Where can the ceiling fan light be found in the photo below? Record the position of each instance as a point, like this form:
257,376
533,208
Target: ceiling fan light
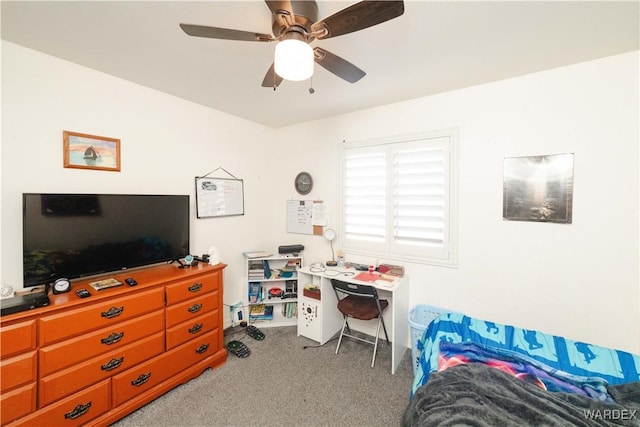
294,60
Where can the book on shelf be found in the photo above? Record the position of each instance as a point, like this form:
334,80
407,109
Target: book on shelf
255,293
290,309
261,312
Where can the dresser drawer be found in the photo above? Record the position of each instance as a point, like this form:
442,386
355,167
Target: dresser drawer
17,403
187,289
192,328
191,309
149,374
17,371
70,380
17,338
68,353
75,410
65,325
196,350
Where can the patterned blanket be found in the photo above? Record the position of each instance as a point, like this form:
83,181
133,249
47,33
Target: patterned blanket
558,353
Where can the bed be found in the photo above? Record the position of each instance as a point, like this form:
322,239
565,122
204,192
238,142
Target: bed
482,373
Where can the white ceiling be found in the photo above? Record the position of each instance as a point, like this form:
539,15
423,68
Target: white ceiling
435,46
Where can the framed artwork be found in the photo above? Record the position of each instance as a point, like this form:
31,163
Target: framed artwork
538,188
84,151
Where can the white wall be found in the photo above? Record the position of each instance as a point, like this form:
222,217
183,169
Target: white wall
165,143
581,280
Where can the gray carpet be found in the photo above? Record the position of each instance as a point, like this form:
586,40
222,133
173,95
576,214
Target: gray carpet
283,384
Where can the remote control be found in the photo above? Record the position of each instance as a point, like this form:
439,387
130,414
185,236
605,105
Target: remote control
83,293
131,282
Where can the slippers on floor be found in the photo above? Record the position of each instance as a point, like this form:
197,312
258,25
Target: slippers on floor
238,348
255,333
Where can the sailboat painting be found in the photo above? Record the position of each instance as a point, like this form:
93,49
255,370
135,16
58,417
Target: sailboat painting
85,151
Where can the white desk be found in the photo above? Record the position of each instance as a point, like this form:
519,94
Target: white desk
320,320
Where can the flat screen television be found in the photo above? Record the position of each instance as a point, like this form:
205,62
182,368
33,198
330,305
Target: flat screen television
78,235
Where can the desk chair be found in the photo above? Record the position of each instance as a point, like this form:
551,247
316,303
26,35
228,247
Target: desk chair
359,302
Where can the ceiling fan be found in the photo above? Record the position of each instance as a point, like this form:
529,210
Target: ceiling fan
295,23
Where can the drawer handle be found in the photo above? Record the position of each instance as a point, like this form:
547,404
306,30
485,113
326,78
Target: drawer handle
195,308
195,287
112,312
195,328
113,364
202,348
78,411
143,378
113,338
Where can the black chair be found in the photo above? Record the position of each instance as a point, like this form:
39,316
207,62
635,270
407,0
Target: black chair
360,302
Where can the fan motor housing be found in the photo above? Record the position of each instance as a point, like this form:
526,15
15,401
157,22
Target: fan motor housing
305,14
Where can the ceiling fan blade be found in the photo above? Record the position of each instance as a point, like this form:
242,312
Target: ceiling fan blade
283,11
280,6
224,33
271,79
357,17
338,66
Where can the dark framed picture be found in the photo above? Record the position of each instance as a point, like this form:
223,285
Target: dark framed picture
85,151
538,188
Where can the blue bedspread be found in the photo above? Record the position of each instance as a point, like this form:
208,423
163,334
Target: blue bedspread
573,357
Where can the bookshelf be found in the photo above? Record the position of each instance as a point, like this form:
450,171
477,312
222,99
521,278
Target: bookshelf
272,290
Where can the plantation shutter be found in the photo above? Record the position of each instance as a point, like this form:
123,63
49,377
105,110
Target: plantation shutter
365,179
396,198
420,204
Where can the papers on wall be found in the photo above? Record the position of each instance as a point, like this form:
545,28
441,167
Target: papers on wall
306,216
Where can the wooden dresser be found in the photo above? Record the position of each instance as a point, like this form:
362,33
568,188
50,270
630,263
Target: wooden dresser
91,361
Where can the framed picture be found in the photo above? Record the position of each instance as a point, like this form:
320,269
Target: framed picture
538,188
84,151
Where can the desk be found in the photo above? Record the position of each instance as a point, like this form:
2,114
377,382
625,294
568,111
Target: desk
320,320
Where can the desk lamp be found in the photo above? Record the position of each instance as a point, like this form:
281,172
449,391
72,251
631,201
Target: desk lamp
330,235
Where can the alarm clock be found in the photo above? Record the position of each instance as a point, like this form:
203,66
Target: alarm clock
61,286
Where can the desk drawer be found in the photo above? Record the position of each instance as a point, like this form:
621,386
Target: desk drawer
101,314
63,383
68,353
17,403
191,309
192,328
17,338
187,289
17,371
75,410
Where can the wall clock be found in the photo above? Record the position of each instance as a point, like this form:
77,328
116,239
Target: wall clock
303,183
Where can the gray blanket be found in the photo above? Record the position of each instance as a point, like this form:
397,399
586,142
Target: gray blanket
478,395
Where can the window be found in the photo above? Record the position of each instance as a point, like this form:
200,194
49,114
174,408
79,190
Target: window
398,198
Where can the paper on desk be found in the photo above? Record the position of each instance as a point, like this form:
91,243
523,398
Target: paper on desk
377,278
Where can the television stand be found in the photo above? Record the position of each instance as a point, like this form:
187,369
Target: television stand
92,361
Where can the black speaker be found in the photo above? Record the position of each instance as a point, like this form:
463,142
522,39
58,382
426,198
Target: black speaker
290,249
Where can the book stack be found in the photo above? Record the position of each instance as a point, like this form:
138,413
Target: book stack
256,270
261,312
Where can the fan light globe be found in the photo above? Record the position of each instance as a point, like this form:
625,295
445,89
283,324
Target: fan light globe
294,60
